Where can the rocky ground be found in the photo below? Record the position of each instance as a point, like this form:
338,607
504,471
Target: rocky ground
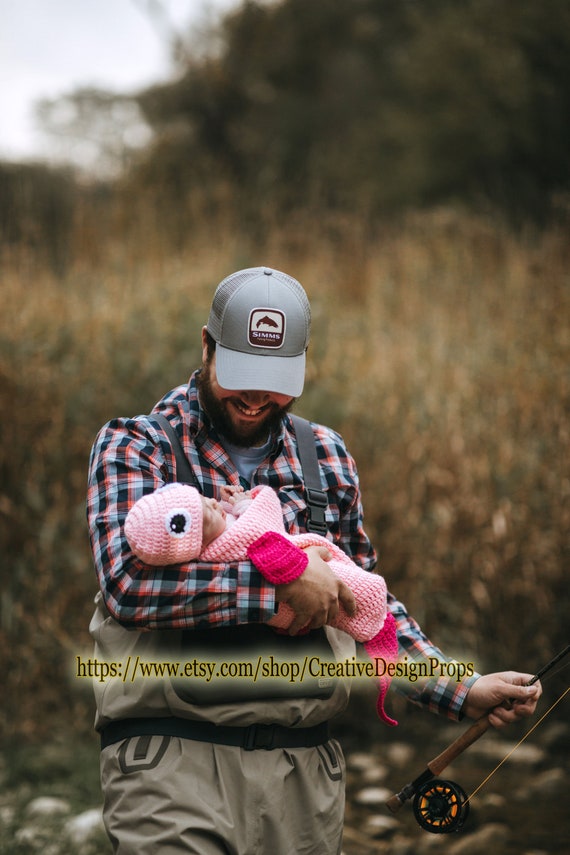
50,801
522,810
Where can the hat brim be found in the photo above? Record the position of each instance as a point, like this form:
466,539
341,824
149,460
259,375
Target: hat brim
284,375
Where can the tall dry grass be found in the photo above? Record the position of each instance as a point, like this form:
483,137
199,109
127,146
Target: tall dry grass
440,351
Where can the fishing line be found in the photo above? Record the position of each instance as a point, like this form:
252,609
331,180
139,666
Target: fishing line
504,760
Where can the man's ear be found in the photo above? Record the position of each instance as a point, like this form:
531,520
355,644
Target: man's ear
204,344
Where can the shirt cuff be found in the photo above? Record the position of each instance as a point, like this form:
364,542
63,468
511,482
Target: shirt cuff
444,696
255,597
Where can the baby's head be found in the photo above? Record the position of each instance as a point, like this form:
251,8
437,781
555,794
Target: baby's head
213,520
173,525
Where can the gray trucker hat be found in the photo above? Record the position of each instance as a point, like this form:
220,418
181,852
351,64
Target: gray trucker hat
260,319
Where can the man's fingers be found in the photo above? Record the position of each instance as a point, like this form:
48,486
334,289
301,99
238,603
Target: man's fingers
522,702
347,599
307,620
497,718
299,623
523,693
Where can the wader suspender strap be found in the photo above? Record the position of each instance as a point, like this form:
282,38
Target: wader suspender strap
184,473
306,446
316,497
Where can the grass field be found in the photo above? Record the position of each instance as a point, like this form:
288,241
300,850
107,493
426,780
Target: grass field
440,350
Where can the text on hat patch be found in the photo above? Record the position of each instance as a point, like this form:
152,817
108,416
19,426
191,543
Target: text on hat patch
266,328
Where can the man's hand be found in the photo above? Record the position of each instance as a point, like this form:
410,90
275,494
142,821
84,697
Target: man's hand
316,595
491,691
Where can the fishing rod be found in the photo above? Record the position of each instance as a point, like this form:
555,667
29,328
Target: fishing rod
442,806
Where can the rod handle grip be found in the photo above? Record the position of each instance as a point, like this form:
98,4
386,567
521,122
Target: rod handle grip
471,735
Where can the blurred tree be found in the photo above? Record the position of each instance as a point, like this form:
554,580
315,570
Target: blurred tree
95,130
363,105
375,105
484,106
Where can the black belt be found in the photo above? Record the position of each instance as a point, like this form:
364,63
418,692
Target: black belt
266,736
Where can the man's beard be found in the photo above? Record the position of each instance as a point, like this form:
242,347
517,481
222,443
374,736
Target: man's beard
256,434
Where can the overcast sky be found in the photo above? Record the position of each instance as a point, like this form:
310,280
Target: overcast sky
48,47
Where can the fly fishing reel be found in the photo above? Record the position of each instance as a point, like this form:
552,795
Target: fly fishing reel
441,806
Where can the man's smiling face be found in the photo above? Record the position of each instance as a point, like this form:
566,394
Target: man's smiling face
244,417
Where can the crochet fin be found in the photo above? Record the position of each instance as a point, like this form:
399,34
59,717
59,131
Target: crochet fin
384,645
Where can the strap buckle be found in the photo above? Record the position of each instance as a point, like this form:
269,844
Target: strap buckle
259,736
317,504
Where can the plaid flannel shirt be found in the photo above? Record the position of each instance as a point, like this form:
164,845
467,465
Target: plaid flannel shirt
132,457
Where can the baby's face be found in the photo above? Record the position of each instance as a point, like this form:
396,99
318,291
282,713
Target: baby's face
214,520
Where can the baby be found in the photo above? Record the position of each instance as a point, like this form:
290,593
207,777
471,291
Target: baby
176,525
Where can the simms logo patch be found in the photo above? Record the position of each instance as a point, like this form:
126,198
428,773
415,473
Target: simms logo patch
266,328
